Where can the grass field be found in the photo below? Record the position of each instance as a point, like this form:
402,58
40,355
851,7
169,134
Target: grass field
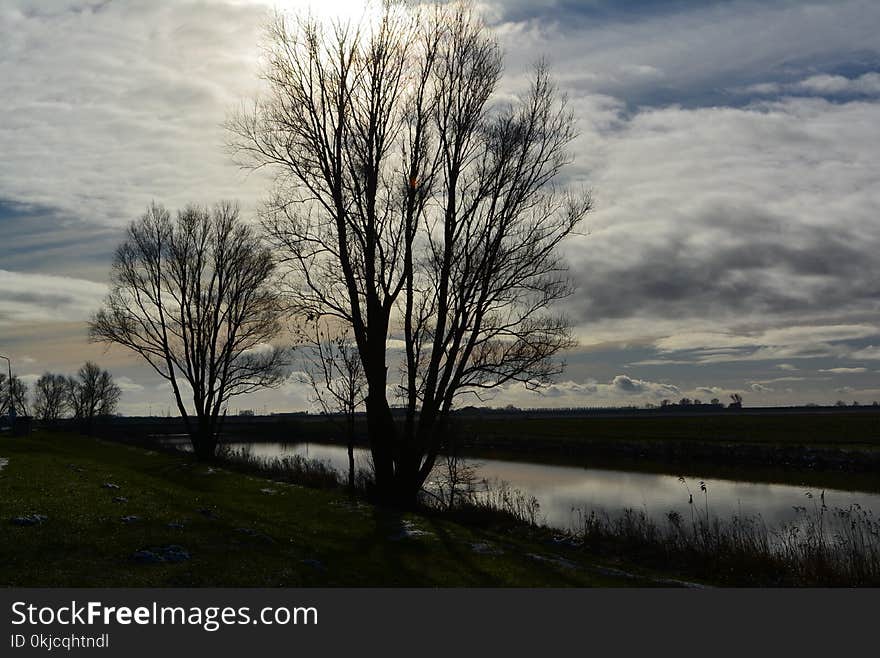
237,529
860,430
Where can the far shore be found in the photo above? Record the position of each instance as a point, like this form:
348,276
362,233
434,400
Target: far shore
829,447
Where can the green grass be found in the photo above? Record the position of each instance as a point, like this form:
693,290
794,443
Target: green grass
298,536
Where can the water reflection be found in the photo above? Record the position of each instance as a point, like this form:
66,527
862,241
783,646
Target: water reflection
559,489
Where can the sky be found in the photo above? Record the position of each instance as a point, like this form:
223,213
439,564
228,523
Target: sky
732,149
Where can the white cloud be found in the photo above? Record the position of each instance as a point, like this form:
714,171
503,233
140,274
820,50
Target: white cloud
867,84
128,385
625,385
620,390
801,342
845,371
778,380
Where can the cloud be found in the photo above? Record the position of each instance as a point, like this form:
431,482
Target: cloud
29,298
777,380
128,385
49,241
867,84
871,352
693,50
101,114
732,149
712,211
661,362
628,386
697,220
785,336
794,342
762,89
619,390
845,371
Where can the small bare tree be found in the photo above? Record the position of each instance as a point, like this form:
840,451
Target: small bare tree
333,369
411,204
92,394
196,298
51,397
13,394
455,477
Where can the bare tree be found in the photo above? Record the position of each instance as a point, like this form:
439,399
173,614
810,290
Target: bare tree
454,477
195,297
4,394
51,397
335,373
13,394
92,394
412,205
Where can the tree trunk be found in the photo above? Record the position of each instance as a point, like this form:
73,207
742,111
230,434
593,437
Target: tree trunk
397,461
350,467
204,441
350,439
406,488
381,430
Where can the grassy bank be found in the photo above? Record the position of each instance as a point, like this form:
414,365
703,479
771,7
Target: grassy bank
820,546
234,529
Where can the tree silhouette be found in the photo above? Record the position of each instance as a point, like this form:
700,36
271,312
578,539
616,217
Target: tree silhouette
411,204
51,397
92,393
14,393
333,369
196,299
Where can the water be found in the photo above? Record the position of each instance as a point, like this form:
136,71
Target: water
560,489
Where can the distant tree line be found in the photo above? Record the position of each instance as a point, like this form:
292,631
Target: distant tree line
89,394
736,402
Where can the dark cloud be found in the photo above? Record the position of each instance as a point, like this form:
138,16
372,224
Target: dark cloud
739,270
42,239
578,14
